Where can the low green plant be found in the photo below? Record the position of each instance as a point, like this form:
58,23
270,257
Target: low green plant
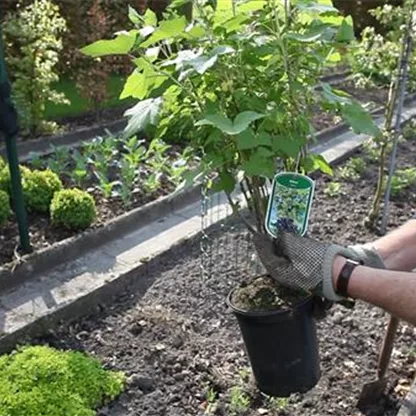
5,179
409,130
59,159
2,163
79,173
128,173
39,187
375,58
212,401
239,401
73,209
277,403
39,380
5,210
352,170
33,41
402,180
36,161
333,190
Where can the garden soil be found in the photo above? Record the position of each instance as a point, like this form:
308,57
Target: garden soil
173,336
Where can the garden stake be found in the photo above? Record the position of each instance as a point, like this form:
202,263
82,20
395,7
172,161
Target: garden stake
9,127
372,391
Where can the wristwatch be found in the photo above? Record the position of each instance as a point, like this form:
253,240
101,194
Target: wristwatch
344,277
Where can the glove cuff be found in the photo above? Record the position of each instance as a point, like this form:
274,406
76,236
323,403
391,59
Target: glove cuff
368,255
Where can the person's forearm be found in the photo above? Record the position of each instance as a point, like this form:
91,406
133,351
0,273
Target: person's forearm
392,291
398,248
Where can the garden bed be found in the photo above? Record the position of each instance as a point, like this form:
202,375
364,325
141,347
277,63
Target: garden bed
44,234
175,339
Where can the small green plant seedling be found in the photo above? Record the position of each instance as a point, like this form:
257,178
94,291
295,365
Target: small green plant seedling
277,403
244,373
333,190
212,404
239,401
409,130
352,170
402,180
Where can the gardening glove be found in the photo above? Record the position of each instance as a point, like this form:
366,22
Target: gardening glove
300,262
368,255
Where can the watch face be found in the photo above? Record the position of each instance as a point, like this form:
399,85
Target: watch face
289,204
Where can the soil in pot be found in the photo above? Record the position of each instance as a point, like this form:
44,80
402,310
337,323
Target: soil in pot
279,334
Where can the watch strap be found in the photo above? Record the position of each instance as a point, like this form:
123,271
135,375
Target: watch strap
344,277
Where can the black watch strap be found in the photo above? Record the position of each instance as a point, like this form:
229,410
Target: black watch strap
344,277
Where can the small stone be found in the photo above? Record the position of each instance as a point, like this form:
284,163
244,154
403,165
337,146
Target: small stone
145,384
177,342
135,329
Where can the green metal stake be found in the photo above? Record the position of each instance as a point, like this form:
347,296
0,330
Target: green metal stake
9,127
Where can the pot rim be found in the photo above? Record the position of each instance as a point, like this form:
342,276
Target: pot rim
243,312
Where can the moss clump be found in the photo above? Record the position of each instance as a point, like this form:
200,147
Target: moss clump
5,210
39,187
73,209
39,380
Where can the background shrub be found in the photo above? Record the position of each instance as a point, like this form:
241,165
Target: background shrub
73,209
32,38
5,210
39,188
39,380
5,179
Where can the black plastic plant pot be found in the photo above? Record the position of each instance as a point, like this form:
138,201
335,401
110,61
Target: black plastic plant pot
282,347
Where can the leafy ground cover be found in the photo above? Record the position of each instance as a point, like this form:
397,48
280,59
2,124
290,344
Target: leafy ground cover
41,380
182,350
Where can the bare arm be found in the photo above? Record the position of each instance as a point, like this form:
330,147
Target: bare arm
392,291
398,248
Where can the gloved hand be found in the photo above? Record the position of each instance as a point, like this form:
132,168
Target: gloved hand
368,256
301,263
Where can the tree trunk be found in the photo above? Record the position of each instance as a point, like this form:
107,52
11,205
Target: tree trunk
359,10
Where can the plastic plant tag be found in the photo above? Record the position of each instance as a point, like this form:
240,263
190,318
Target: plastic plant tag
289,204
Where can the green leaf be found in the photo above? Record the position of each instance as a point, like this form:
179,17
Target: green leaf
143,114
288,145
260,163
203,63
345,32
219,121
241,122
320,163
150,18
311,36
244,119
317,8
246,140
167,29
222,50
359,119
225,183
135,86
233,24
134,17
120,45
333,96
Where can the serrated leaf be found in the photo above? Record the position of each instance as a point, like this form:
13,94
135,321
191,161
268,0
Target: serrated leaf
135,86
244,119
219,121
120,45
345,32
150,18
259,164
143,114
167,29
246,140
359,119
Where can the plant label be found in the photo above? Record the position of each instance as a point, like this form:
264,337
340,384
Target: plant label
289,204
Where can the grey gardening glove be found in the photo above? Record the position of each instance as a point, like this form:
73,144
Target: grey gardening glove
368,256
300,262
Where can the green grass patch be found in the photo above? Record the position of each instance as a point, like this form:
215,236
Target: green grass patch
78,104
38,380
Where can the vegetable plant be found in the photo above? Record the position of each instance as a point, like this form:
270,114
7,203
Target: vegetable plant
333,190
242,88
